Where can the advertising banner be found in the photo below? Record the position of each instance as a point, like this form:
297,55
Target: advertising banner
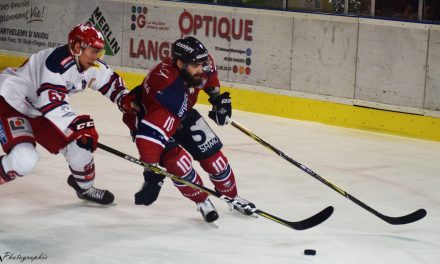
30,26
107,16
17,20
244,47
261,56
149,31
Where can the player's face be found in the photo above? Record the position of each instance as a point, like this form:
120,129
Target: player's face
195,70
89,56
194,73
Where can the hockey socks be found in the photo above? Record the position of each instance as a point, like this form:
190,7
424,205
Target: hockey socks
220,174
189,192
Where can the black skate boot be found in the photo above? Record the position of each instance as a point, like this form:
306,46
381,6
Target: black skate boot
247,209
208,211
92,194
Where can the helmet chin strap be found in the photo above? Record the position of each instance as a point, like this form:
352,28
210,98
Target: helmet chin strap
76,56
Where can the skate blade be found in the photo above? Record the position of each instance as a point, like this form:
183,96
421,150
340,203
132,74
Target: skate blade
95,204
214,224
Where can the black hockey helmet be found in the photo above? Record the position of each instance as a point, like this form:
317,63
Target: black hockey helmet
189,50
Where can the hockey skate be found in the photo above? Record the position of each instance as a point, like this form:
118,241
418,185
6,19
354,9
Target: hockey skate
208,211
247,209
92,194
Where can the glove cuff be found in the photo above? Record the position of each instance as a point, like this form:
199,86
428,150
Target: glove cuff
150,176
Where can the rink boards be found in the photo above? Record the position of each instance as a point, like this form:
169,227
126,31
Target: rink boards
331,69
250,99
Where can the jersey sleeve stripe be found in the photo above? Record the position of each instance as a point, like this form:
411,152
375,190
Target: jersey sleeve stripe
104,89
51,106
49,86
115,93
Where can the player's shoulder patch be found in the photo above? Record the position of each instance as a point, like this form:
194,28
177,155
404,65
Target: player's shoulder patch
60,60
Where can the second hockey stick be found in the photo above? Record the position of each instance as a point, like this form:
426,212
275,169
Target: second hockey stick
400,220
299,225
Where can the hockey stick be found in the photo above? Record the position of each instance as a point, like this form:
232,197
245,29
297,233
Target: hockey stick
300,225
406,219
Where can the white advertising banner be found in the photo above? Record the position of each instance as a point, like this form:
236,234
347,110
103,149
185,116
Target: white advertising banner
218,32
16,20
31,26
107,16
356,58
149,31
260,55
247,48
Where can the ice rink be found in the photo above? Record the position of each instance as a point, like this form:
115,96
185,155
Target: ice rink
40,213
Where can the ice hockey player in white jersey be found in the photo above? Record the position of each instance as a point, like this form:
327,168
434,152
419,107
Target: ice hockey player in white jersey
34,108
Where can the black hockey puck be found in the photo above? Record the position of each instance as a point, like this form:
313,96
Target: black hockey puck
309,252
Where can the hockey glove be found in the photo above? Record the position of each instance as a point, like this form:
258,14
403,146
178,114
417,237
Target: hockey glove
150,189
221,108
127,103
130,102
84,132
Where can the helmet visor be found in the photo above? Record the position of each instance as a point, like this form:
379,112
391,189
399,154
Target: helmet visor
206,66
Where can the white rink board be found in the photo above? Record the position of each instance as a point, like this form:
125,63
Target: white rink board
432,97
323,55
373,61
392,57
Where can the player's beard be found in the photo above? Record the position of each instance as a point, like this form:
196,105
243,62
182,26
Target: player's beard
191,80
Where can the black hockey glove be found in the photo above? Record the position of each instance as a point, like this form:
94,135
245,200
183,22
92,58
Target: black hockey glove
150,189
221,108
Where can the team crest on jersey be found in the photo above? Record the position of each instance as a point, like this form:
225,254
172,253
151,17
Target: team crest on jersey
20,127
3,138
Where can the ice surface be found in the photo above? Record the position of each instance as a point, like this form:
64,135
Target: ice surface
40,213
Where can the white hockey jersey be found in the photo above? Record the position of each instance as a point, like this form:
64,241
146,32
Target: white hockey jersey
42,86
